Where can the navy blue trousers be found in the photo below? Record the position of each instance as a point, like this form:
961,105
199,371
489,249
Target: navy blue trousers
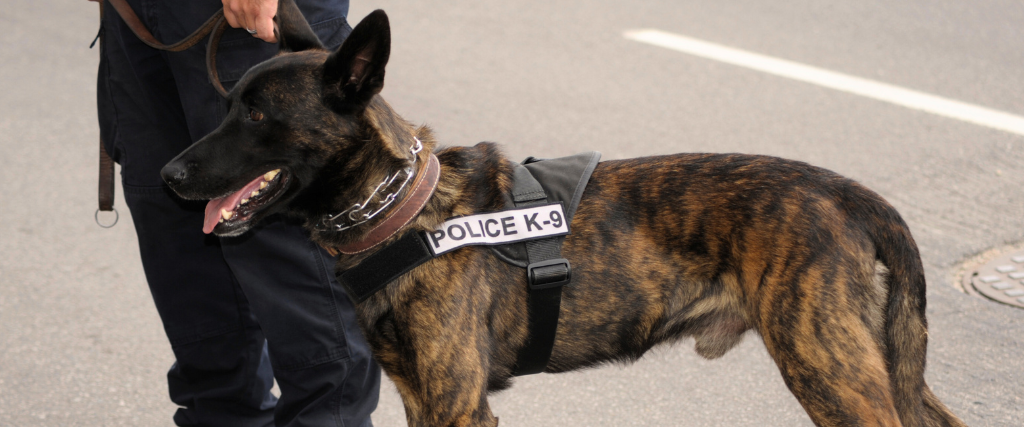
238,311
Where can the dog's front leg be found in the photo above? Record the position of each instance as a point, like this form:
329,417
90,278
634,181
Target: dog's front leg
438,353
438,413
440,394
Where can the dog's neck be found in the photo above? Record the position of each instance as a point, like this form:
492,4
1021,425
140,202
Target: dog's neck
381,161
383,149
402,205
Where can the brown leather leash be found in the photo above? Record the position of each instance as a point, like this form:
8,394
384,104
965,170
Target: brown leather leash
214,27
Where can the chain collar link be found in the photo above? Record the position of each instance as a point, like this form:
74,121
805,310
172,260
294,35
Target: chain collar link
377,202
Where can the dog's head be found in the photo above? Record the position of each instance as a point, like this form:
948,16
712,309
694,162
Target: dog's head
289,118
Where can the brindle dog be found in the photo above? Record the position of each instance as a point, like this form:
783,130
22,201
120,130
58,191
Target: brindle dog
690,245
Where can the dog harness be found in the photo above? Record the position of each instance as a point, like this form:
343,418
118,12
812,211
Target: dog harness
545,195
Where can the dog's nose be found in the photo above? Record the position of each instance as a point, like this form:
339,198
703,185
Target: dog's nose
174,173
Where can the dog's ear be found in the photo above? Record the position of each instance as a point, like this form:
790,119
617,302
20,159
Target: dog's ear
293,32
355,72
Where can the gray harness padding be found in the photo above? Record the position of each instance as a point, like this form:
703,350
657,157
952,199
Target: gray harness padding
562,180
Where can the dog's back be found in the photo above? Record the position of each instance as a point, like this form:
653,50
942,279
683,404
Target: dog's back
711,245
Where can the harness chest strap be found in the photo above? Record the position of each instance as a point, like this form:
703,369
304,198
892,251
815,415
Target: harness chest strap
545,275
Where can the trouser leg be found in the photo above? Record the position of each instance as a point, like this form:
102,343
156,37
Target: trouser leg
326,372
221,376
322,362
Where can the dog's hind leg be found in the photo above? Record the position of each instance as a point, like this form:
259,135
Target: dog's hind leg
828,351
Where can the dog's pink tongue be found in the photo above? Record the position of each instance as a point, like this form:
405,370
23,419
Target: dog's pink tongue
213,212
229,202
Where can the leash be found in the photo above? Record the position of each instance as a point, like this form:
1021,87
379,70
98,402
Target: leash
214,27
106,181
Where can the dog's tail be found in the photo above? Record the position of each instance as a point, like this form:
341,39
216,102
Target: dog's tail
906,332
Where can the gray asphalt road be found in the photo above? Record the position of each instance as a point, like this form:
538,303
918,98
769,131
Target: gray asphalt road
80,341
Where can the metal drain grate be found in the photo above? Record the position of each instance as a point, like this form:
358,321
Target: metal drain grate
1001,279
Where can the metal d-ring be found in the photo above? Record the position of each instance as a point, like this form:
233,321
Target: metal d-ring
117,216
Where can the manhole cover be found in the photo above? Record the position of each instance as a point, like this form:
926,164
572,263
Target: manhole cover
1001,279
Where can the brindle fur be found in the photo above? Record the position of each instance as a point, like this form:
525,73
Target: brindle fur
662,248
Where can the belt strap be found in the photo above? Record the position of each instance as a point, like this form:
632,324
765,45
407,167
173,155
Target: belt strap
106,196
106,181
106,178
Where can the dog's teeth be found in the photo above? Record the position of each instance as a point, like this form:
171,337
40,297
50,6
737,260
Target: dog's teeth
254,193
226,214
244,201
221,220
270,175
263,185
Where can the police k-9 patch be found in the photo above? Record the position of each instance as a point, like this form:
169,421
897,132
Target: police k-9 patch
497,228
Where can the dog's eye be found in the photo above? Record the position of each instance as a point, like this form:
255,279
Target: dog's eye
255,115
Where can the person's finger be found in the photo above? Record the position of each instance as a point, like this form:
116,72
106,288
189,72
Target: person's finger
250,10
249,22
230,15
264,26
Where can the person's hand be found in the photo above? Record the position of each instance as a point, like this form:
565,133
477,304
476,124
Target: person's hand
253,15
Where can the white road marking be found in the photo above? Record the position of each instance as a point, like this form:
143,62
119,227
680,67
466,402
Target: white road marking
856,85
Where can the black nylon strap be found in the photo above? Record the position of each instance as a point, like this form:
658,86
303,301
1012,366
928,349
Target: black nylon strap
377,270
546,275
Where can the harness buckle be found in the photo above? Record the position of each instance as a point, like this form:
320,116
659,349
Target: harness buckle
549,273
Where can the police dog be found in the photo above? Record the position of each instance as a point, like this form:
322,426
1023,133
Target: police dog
691,245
